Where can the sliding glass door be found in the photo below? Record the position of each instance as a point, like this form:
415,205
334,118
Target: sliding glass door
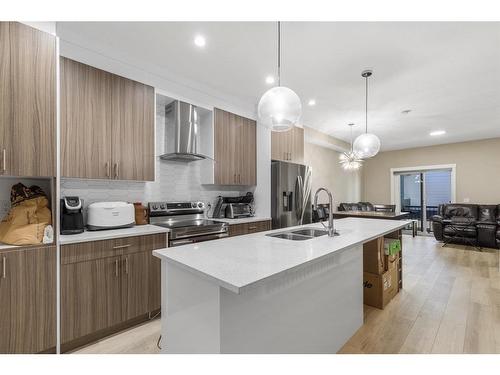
421,192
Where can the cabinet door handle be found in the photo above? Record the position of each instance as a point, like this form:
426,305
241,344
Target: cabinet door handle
239,178
126,265
4,269
106,166
121,246
4,162
115,167
116,268
234,178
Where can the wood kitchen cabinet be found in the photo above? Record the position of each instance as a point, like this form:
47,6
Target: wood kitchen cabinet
235,154
248,228
106,286
27,101
28,300
132,124
107,125
85,121
288,146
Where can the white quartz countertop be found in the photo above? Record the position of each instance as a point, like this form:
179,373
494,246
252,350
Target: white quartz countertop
243,220
138,230
237,263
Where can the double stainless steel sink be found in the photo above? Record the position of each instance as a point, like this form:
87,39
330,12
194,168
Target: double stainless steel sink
299,234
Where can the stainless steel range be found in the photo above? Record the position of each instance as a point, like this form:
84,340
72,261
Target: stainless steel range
186,221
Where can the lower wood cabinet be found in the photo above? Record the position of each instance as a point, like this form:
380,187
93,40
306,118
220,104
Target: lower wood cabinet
248,228
106,285
28,300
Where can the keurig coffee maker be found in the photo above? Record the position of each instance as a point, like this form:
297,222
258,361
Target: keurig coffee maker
71,215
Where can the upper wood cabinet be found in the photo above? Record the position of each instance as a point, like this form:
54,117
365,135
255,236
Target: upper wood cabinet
235,149
107,125
132,129
288,146
28,300
85,121
27,101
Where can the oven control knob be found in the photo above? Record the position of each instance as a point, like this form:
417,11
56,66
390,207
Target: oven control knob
162,206
155,207
193,205
200,204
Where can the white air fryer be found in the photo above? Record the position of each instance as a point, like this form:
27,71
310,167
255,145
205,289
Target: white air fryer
110,215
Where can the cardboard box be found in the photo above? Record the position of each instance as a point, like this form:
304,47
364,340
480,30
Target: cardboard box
379,290
374,256
391,261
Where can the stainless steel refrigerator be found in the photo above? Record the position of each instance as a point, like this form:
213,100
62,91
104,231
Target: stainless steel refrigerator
290,194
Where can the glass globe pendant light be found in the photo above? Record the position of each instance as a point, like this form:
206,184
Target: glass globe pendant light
280,107
349,160
366,145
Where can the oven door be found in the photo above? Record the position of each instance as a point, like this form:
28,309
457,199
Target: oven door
195,239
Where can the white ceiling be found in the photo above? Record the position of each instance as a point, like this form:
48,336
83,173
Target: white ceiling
448,74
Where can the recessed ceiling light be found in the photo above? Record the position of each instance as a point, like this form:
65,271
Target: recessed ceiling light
437,132
311,102
406,111
269,80
200,41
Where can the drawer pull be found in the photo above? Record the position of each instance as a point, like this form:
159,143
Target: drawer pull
116,268
126,265
252,227
4,271
121,246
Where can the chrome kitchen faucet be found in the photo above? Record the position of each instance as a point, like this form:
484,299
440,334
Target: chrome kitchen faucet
330,228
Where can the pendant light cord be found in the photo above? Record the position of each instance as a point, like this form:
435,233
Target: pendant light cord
351,138
279,53
366,106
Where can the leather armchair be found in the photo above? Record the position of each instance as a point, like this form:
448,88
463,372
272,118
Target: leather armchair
478,223
498,226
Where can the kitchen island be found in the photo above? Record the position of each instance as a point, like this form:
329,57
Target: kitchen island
263,294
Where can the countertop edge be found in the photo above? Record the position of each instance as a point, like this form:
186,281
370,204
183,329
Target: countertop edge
139,230
239,289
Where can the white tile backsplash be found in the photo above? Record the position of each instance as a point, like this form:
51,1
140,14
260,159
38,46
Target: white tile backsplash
175,181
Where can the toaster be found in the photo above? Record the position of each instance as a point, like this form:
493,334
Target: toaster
237,210
110,215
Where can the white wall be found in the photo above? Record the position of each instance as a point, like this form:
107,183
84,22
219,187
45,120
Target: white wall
176,180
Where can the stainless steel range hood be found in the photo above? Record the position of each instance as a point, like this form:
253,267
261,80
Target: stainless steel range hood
183,132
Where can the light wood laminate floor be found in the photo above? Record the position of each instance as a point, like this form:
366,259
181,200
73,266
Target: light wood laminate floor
450,304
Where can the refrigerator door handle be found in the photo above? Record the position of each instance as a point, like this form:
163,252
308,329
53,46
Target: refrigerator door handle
299,196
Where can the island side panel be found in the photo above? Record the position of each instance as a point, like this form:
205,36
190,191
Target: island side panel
314,309
190,312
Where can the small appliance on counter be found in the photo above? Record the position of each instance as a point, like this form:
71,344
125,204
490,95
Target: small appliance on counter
141,214
71,215
110,215
234,207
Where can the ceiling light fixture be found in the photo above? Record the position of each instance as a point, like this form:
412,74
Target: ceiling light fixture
269,80
280,107
311,102
200,41
366,145
437,132
350,160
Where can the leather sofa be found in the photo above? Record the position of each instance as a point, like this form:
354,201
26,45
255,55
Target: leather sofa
478,224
